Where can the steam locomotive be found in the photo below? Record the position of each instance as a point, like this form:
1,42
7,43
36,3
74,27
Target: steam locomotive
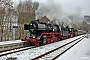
41,33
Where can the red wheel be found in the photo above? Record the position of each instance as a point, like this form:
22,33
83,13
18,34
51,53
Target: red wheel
44,40
37,44
48,41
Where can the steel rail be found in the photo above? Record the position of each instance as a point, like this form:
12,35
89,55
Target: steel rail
11,49
66,50
17,51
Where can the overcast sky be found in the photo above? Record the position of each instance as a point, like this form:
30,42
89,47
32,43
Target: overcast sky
71,5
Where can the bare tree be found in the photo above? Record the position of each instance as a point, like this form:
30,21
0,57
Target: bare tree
6,7
84,26
26,13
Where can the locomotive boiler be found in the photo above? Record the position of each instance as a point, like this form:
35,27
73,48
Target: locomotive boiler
36,26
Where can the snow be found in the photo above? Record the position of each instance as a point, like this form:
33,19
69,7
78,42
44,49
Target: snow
81,51
10,42
31,53
53,54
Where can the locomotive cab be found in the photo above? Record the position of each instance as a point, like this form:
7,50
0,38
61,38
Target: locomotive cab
65,32
73,32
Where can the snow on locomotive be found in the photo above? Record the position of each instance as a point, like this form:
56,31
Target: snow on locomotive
42,33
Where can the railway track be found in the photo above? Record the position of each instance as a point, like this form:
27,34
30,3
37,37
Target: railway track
55,53
10,49
6,52
33,50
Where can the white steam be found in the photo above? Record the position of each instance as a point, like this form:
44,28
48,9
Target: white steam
51,9
77,16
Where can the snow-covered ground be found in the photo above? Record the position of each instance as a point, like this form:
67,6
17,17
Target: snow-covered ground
81,51
10,42
31,53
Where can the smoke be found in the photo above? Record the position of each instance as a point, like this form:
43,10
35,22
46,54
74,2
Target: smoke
76,16
51,9
54,11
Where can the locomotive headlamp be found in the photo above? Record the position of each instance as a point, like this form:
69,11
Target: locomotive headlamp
34,36
53,30
30,24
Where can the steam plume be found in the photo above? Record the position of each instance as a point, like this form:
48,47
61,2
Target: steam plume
52,9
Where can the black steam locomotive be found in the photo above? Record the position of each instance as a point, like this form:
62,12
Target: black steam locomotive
42,33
